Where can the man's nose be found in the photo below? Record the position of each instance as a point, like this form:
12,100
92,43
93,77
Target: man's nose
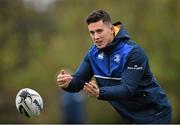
96,36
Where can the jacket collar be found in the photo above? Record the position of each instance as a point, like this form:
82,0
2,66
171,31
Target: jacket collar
121,35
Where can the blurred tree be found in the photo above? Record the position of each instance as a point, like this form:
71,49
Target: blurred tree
24,36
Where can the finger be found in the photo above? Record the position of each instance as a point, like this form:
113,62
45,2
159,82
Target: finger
86,88
88,93
62,76
62,85
93,84
94,88
89,89
64,79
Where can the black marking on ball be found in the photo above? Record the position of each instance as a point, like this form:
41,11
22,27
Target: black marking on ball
25,94
23,111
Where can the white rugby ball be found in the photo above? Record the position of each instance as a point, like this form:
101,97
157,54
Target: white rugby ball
29,103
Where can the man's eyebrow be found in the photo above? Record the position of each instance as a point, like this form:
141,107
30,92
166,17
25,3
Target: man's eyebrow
98,30
95,30
91,31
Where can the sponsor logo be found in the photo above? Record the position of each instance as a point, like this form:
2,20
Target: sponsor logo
135,67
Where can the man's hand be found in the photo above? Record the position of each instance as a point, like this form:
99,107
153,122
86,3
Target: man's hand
63,79
91,88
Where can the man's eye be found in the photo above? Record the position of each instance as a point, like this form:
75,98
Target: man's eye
92,33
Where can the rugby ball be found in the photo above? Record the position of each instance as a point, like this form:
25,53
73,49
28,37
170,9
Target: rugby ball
29,103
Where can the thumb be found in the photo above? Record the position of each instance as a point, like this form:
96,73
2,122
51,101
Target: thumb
94,84
62,72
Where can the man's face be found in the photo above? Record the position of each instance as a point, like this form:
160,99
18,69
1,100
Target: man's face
101,33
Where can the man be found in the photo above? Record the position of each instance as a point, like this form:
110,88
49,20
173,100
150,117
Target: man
122,74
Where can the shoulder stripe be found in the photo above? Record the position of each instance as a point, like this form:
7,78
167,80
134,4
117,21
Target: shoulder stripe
104,77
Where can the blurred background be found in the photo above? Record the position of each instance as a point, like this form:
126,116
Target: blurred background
40,37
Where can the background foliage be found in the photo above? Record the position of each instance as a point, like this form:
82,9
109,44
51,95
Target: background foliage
38,39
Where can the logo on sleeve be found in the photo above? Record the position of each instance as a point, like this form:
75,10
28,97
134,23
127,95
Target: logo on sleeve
135,67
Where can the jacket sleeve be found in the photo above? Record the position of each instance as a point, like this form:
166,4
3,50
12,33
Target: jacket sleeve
131,76
83,74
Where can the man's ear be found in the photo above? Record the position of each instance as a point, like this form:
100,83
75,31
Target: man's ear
112,29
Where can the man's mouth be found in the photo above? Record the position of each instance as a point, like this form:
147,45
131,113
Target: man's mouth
98,42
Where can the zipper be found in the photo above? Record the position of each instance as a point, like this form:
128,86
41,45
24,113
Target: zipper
108,55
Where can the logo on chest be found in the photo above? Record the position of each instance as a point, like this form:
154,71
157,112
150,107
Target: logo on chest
116,58
101,56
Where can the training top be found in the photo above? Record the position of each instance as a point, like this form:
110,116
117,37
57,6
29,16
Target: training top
124,78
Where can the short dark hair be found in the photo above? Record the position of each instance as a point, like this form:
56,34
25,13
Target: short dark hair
98,15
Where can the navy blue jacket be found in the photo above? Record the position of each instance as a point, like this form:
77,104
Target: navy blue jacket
124,78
